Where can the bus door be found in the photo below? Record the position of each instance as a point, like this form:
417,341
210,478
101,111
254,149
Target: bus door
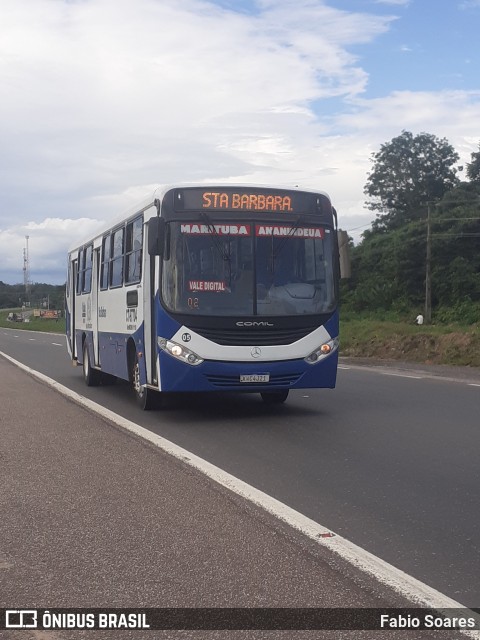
95,287
71,295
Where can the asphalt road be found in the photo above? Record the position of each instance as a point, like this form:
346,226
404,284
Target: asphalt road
389,459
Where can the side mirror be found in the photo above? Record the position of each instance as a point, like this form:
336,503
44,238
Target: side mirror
156,236
344,254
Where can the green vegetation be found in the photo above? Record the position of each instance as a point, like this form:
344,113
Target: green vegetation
408,173
413,187
40,295
402,340
34,324
418,194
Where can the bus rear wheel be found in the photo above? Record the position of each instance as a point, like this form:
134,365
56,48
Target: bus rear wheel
274,397
146,398
90,375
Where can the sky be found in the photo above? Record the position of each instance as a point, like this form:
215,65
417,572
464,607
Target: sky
103,100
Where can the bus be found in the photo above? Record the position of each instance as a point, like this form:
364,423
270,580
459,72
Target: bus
209,289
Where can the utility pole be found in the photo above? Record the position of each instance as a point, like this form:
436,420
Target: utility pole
428,269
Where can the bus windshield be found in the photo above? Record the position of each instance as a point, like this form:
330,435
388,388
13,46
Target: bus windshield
248,268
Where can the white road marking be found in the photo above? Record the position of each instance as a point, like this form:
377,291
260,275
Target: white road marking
403,584
45,333
401,375
425,375
57,344
32,339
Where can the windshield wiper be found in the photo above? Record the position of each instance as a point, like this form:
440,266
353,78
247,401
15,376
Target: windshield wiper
218,244
281,245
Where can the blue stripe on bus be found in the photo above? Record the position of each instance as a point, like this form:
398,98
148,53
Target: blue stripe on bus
113,351
332,325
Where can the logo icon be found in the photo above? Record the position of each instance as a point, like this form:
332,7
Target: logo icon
20,619
256,352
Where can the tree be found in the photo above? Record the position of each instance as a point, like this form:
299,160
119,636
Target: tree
388,268
473,168
408,172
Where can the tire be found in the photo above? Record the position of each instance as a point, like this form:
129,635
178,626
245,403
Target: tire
146,398
274,397
91,376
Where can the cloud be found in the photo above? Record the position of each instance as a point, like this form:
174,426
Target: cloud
47,243
102,97
446,113
394,2
469,4
105,93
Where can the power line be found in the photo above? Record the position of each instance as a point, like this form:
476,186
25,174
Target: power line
452,219
361,227
457,235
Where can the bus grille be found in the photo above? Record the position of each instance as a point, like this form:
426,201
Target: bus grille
254,337
283,380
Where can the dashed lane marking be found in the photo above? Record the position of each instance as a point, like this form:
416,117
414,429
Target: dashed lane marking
400,375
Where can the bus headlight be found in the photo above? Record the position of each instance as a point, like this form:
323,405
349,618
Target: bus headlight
323,351
179,351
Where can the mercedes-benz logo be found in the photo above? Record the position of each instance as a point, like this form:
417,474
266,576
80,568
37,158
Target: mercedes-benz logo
256,352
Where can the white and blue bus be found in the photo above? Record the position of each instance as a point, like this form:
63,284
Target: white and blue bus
209,288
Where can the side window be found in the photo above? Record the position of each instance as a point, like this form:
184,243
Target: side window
69,275
133,251
106,242
84,273
116,264
87,274
79,271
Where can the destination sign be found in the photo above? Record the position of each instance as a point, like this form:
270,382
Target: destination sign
289,232
216,229
261,230
247,199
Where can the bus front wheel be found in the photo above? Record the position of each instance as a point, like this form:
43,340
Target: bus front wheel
145,397
90,375
274,397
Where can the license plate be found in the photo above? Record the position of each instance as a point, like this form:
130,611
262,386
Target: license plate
255,377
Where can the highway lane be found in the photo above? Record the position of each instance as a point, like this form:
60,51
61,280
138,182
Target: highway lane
388,461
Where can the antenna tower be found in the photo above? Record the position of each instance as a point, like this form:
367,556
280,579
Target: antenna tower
26,268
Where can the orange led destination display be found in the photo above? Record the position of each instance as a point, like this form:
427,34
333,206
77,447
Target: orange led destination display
249,201
245,199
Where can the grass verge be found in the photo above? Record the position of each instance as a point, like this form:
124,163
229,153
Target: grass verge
427,344
34,324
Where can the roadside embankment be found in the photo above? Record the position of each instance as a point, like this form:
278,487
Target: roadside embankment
426,344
